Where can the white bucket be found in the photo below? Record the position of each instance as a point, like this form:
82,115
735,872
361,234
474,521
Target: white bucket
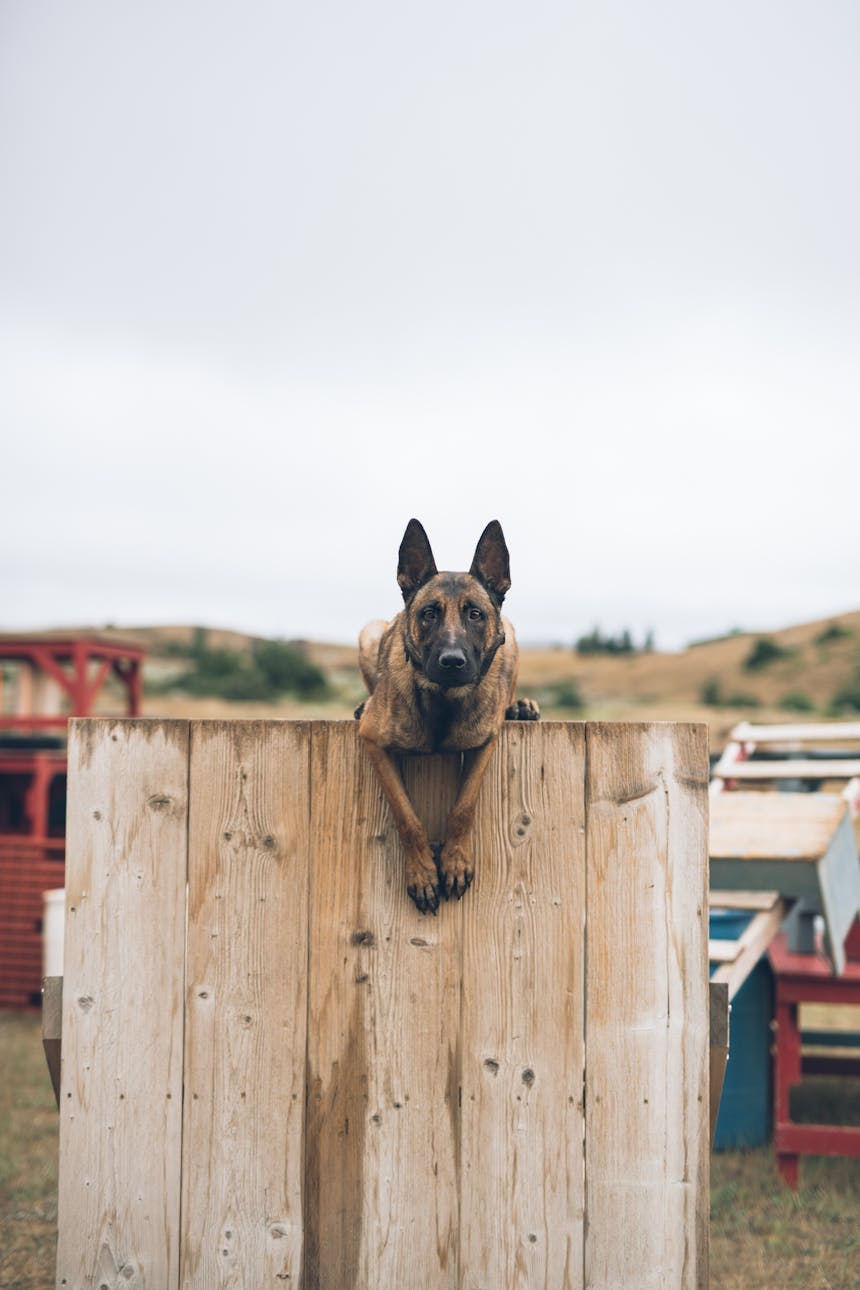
53,928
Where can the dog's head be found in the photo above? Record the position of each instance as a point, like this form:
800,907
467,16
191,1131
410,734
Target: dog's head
453,620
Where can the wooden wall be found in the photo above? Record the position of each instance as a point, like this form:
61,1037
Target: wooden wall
277,1073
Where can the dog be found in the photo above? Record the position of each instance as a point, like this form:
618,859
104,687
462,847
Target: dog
442,677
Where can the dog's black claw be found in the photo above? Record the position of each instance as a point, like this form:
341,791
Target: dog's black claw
523,710
423,903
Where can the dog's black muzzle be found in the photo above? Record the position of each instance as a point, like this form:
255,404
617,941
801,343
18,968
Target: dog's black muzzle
451,666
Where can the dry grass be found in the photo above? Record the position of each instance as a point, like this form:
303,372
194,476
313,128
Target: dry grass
28,1157
763,1237
644,687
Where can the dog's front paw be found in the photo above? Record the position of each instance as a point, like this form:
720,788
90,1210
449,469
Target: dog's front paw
455,870
422,879
523,710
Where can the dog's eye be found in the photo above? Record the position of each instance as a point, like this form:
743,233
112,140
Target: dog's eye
428,615
475,613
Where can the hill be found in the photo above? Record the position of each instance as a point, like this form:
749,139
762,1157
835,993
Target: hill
798,670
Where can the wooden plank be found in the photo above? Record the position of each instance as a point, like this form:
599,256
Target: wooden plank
820,769
384,1001
121,1089
839,884
52,1028
751,945
522,1165
723,951
801,844
718,996
647,1020
721,899
802,732
246,1004
774,826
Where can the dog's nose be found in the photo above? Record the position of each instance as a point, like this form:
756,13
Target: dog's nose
452,660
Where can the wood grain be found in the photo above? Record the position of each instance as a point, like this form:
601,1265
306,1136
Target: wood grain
646,1137
770,826
381,1189
513,1094
121,1087
522,1051
246,1005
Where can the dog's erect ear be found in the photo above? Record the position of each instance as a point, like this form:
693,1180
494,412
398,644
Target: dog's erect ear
416,564
492,565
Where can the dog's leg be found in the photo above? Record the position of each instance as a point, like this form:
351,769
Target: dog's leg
422,879
456,865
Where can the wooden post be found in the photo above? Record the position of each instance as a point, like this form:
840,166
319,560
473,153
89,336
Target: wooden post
511,1094
52,1014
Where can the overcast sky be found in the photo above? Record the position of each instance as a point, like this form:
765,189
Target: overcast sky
275,277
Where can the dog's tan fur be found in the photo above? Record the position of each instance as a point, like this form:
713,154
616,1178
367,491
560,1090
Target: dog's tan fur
410,710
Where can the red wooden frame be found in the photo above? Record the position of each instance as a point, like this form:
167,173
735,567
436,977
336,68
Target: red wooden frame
806,978
68,661
31,861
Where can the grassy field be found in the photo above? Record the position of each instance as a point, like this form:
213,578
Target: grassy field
763,1237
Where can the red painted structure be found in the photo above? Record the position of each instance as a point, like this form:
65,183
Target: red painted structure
808,978
33,779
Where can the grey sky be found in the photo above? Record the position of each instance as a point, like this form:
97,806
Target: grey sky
274,278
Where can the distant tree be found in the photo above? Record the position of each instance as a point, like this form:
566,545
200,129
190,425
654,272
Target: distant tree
834,631
764,651
596,643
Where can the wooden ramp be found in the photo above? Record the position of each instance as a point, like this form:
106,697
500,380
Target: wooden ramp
800,845
275,1072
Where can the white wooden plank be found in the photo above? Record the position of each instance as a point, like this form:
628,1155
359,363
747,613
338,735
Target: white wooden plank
819,768
522,1163
802,732
751,900
839,884
243,1154
647,1019
720,951
381,1168
121,1088
774,826
750,947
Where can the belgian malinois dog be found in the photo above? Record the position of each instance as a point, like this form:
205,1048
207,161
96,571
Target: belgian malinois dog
442,677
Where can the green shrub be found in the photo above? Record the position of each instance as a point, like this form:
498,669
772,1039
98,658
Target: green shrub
765,650
834,631
274,668
714,696
286,667
566,694
847,698
174,648
741,700
796,701
711,693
